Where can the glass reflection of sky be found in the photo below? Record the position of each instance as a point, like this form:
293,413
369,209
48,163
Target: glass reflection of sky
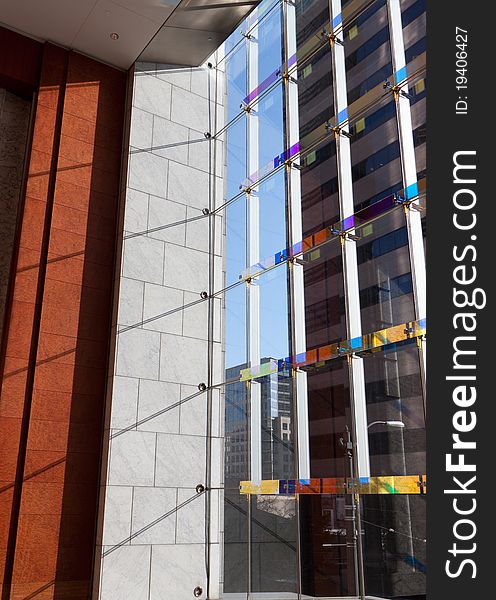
270,193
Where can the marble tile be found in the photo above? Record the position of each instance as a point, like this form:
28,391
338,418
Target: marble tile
117,521
216,507
149,505
186,269
125,574
217,418
189,109
187,185
124,406
138,353
183,360
198,156
143,259
147,172
195,321
132,459
136,211
146,67
216,567
154,397
141,129
130,301
185,571
190,518
180,77
193,413
159,300
216,460
170,140
197,232
180,461
164,212
200,80
152,94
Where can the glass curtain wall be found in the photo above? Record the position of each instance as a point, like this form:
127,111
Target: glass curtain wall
313,126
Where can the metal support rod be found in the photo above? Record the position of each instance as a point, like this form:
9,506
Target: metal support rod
253,257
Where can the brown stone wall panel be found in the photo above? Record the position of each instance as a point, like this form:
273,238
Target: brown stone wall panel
61,475
63,349
87,176
10,429
20,61
21,319
74,196
61,291
35,565
13,386
75,271
79,408
66,243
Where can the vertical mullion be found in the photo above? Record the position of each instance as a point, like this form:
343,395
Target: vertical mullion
295,233
253,257
294,229
360,462
408,166
349,252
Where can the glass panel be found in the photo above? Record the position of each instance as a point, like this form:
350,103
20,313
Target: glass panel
319,187
324,295
236,469
367,50
273,545
327,546
274,313
327,541
395,549
394,525
234,141
235,544
386,289
234,218
311,18
235,335
394,393
278,434
268,37
278,423
268,116
271,194
315,91
414,28
375,154
236,79
417,92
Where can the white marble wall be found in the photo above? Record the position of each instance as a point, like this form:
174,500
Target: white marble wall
156,446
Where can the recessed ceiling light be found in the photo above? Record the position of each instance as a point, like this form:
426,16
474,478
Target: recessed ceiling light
114,36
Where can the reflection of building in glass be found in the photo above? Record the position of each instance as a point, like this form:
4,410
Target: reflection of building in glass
277,444
270,212
340,133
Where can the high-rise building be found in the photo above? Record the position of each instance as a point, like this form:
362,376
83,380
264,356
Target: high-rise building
212,300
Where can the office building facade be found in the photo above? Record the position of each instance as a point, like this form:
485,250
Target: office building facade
213,304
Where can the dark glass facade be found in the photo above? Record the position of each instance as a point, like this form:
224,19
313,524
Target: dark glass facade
315,135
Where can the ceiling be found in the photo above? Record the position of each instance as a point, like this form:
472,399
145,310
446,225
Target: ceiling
187,36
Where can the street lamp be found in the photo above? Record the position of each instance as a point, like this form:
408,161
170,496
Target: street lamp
398,424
